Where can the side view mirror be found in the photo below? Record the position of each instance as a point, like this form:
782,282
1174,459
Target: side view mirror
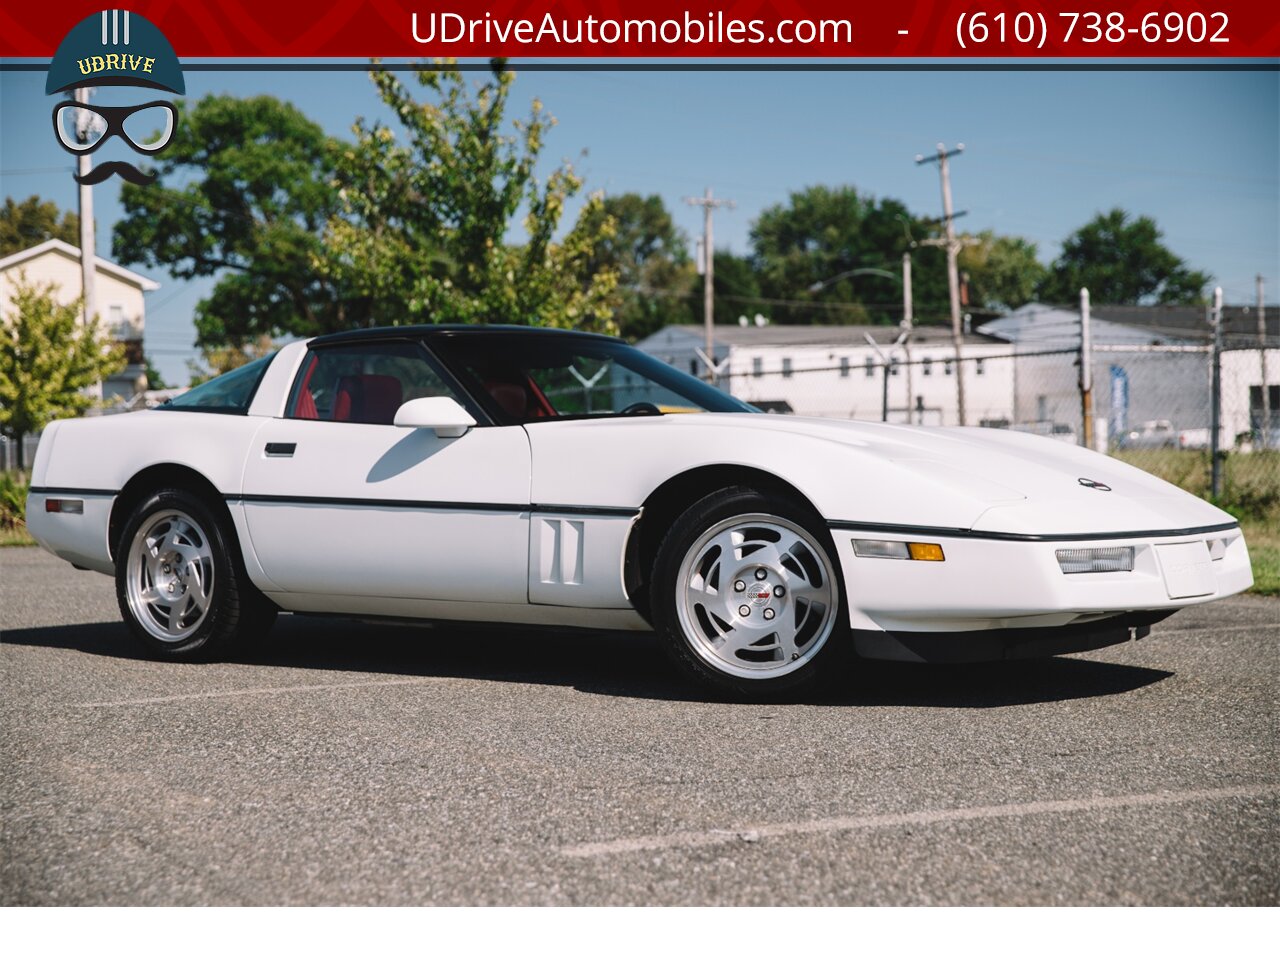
444,415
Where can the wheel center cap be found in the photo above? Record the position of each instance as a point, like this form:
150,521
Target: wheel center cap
760,592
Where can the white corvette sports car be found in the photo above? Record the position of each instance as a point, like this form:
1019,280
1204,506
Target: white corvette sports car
515,475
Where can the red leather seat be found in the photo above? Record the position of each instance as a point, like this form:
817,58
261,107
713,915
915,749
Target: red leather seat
367,398
511,397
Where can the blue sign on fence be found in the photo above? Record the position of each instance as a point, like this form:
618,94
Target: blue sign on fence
1118,421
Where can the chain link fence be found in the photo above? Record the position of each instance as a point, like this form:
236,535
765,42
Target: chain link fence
1153,405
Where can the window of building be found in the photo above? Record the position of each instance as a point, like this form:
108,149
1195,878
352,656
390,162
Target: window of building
757,366
869,365
115,317
946,368
844,366
927,367
978,366
893,367
693,367
786,367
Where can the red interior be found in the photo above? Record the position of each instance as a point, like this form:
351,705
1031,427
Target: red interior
367,398
519,397
304,407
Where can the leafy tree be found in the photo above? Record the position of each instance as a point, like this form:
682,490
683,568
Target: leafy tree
47,360
1003,271
1121,260
422,233
823,232
154,380
650,256
244,193
33,221
216,361
736,290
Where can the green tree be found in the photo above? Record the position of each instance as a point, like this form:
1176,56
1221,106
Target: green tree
215,361
1003,271
1121,260
650,256
33,221
154,380
47,360
823,232
422,233
736,291
244,194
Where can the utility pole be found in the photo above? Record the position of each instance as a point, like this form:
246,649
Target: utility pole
708,205
1265,439
87,122
1086,371
908,322
1216,418
953,247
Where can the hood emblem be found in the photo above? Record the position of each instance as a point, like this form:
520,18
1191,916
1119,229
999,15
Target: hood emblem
1093,484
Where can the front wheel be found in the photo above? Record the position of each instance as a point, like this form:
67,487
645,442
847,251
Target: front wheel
746,594
181,589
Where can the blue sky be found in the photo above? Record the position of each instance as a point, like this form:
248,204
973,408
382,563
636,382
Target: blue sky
1198,151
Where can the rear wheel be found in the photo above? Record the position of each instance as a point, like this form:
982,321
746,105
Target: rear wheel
181,586
746,594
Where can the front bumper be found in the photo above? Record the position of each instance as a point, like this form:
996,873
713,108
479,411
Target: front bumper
1019,643
991,584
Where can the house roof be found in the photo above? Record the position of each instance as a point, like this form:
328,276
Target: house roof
807,334
1054,327
73,253
1192,321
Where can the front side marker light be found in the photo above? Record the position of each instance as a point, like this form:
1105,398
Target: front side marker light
926,551
897,550
1096,559
58,505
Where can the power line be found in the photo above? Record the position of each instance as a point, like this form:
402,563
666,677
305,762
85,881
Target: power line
708,203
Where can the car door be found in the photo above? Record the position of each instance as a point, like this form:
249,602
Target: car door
340,501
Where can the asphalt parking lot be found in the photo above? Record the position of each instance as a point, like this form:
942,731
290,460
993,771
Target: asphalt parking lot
344,763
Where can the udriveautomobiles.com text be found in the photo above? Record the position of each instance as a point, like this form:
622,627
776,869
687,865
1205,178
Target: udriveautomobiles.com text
709,28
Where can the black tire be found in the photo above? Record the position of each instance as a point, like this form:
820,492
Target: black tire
235,611
667,594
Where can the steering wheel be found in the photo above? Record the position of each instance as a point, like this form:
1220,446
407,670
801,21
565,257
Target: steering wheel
641,408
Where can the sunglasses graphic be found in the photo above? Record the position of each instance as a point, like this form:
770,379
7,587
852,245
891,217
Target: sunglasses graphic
80,133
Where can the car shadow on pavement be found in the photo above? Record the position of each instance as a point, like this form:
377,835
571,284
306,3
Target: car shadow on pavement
619,665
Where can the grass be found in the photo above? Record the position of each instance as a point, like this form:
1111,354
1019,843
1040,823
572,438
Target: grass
16,537
13,507
1251,493
1263,537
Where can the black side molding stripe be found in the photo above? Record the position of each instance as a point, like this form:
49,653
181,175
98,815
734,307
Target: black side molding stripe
576,511
967,534
73,491
432,505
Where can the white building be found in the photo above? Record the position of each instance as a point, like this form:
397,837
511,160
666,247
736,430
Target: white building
121,309
832,371
1141,373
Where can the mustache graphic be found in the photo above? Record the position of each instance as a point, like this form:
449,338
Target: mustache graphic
109,169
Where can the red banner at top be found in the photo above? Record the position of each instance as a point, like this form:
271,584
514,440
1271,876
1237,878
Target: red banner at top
679,29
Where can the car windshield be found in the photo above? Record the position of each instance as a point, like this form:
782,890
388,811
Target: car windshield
524,377
230,393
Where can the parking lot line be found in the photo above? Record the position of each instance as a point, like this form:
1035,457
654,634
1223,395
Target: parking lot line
749,834
252,691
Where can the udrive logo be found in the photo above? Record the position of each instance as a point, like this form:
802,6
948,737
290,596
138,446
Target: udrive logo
121,49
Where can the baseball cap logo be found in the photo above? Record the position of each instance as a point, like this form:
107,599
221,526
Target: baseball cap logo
114,48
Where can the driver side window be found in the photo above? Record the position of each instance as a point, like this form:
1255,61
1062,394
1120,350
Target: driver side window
364,382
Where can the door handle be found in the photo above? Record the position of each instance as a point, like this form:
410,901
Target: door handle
281,449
